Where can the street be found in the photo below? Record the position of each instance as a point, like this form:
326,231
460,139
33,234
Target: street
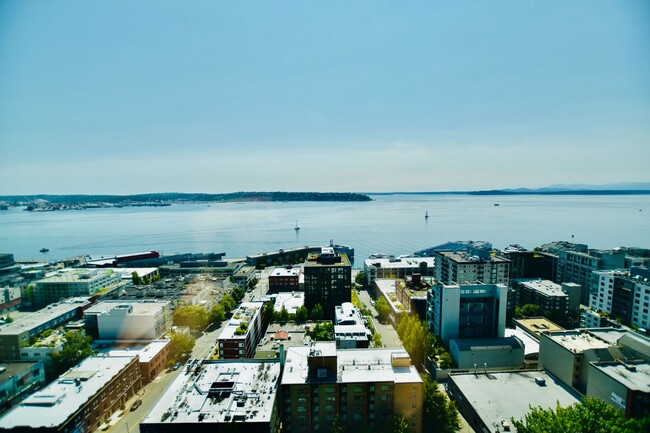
388,334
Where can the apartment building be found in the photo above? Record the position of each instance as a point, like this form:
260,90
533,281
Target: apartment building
68,283
284,279
328,280
398,268
244,331
623,295
321,384
128,320
459,267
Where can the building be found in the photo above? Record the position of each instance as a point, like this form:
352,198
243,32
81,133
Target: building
153,356
535,326
69,283
284,279
8,267
398,268
19,334
328,280
80,400
359,387
219,268
128,320
219,396
471,265
488,400
290,301
530,264
10,299
568,354
350,331
488,353
546,294
623,295
243,332
18,379
279,336
626,386
243,276
467,311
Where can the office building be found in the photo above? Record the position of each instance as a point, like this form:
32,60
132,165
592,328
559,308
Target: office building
128,320
488,353
243,332
467,311
358,387
328,280
18,379
530,264
219,396
79,400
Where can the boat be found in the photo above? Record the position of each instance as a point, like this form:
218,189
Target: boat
496,204
297,227
426,215
44,250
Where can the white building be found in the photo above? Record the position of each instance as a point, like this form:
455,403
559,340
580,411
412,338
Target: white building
350,332
128,320
398,268
68,283
467,311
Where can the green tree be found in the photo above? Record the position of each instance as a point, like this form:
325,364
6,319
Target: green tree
528,310
181,346
439,413
252,283
76,347
301,314
194,316
268,311
416,338
395,424
361,279
284,315
383,309
216,314
238,294
336,426
135,278
589,416
323,331
228,303
317,312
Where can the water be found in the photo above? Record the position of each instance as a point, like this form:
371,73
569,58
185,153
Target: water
392,224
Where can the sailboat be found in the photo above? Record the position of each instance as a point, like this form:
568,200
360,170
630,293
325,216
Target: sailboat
426,215
297,227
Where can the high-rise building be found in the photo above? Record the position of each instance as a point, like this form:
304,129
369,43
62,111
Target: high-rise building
467,311
468,266
328,280
623,295
357,387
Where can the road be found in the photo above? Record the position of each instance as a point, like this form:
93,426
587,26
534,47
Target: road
388,334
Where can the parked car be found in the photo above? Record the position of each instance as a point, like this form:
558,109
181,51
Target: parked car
136,405
176,366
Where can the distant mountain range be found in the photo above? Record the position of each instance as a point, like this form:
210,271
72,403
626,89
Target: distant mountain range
620,186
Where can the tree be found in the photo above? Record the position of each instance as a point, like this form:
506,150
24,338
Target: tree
323,331
194,316
301,314
268,311
317,312
528,310
395,424
383,310
228,303
361,279
76,347
216,314
589,416
416,338
238,294
181,346
252,283
439,413
284,315
135,278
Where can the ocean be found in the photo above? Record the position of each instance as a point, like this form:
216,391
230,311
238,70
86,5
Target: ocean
392,224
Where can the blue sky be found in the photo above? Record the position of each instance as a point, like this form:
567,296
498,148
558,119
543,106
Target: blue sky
206,96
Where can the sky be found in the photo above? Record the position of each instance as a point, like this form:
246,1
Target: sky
126,97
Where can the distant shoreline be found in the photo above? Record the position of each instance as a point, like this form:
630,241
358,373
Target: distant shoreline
526,192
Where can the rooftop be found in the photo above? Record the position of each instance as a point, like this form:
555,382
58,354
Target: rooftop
138,307
54,404
44,315
245,314
500,396
11,369
218,392
465,257
545,287
146,351
536,325
286,271
633,376
400,262
576,341
75,275
289,300
354,365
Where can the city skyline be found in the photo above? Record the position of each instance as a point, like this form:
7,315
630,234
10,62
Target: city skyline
123,98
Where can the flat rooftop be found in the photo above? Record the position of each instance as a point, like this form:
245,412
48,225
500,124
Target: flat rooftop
500,396
146,351
464,257
289,300
286,271
578,342
75,275
536,325
127,273
354,365
633,376
219,392
54,404
545,287
139,307
12,369
246,313
42,316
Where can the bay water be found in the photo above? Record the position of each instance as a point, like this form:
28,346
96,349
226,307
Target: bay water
393,224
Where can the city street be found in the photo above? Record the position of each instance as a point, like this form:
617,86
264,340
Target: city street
388,334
